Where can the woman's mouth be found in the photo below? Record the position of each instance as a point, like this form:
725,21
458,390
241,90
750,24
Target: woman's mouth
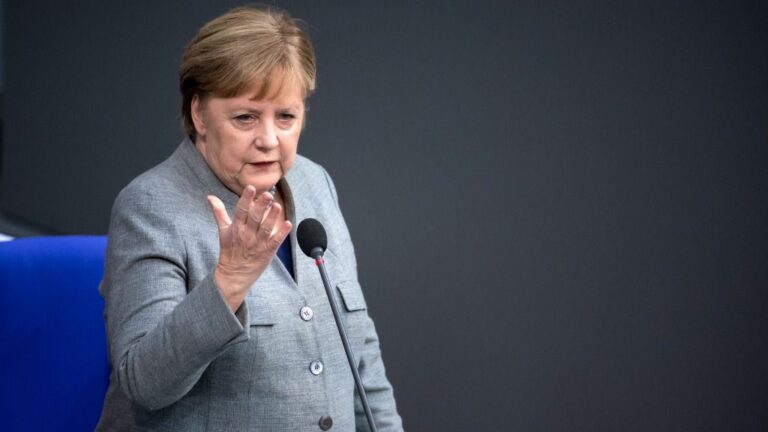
262,165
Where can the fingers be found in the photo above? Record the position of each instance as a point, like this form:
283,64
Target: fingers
257,212
268,224
256,221
244,204
272,232
219,212
276,240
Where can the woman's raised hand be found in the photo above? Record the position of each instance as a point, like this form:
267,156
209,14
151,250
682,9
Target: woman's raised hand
248,243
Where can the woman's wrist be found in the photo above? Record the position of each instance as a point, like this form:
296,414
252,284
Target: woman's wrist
232,285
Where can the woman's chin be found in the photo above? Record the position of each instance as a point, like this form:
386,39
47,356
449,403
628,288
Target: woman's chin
261,183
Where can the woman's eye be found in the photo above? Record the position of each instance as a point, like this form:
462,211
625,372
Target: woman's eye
245,118
286,116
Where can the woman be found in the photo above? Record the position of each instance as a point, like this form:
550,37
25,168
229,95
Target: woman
207,331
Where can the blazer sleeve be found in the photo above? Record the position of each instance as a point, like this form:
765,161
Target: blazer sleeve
369,360
162,333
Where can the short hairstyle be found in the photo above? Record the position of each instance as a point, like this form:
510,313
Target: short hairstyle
241,48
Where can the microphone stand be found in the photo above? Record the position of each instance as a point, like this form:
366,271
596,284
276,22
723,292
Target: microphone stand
317,254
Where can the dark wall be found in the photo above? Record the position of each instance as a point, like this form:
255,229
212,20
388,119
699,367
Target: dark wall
560,208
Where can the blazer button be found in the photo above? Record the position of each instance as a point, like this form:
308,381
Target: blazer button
316,367
326,422
306,313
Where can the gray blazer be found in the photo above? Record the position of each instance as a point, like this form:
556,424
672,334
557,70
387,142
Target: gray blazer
182,361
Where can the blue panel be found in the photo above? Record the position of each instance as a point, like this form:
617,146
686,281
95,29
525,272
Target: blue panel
53,358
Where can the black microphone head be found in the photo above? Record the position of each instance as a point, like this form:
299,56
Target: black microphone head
311,235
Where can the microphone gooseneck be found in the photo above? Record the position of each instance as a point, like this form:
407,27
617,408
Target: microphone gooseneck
313,241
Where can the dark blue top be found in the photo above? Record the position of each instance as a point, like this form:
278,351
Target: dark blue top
284,253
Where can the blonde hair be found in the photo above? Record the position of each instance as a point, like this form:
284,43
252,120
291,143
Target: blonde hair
241,48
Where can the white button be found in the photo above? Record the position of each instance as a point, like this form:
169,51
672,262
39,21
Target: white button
306,313
316,367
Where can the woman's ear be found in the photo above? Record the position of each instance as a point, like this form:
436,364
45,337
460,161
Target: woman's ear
304,114
198,119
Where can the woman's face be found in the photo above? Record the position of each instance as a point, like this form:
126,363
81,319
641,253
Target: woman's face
247,141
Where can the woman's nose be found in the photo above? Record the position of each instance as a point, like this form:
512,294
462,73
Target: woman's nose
267,136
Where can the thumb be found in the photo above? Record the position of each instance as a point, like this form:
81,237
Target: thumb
219,212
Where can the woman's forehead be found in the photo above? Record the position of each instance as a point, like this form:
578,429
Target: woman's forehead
278,85
247,101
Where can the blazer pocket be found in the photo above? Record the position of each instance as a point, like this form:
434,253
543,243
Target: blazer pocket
352,296
260,312
354,315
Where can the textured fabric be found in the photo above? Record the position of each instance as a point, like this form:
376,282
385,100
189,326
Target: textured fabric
182,361
53,362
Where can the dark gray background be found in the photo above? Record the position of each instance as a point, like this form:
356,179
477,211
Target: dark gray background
559,208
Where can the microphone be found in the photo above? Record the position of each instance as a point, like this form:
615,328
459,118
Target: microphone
311,237
313,241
